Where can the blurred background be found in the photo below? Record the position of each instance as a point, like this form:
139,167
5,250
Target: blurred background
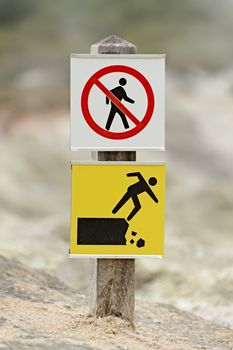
36,39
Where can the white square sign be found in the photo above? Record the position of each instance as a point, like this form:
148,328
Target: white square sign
117,102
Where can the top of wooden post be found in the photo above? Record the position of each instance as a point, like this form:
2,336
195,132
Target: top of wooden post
113,45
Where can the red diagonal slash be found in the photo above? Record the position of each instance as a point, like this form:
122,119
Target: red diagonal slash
117,102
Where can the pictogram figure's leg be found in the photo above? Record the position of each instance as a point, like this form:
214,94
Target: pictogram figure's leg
137,207
110,118
123,118
120,204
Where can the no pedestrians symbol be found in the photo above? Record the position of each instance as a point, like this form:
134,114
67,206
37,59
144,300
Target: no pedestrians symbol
115,96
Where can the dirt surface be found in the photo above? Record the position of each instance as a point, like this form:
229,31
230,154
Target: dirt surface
37,311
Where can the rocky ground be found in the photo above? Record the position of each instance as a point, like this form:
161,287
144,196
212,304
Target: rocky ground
196,274
37,311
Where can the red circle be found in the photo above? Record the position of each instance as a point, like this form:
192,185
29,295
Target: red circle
109,134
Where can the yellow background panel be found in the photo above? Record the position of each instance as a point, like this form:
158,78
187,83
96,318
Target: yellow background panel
97,188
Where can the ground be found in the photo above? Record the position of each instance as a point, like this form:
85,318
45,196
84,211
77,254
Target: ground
40,312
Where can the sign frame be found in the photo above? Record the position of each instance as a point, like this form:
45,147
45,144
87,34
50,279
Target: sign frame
139,140
130,164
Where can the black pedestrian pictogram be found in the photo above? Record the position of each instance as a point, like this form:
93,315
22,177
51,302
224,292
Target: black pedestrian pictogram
120,93
133,191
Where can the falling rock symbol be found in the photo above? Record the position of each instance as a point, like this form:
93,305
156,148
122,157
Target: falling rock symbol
101,231
140,242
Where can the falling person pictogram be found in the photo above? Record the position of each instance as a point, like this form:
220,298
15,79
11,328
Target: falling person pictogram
133,191
120,93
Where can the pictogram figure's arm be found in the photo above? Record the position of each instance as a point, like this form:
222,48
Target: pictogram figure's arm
152,195
107,100
128,99
139,175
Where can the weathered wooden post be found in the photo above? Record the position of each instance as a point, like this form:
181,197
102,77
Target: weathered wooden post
112,280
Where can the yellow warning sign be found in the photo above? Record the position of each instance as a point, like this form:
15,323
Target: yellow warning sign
117,209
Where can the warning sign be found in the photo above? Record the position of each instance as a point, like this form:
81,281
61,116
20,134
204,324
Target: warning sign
117,210
117,102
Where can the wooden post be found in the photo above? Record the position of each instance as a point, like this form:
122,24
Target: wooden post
112,280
